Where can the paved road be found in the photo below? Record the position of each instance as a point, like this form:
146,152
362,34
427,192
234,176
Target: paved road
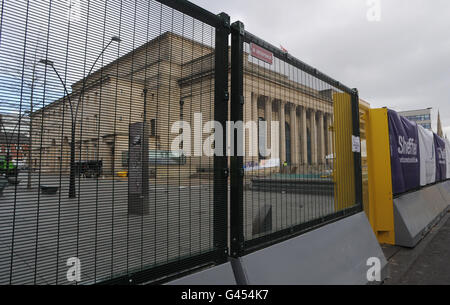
44,231
427,264
39,233
432,267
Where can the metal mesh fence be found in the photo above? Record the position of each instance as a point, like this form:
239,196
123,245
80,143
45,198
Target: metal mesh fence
115,150
98,105
298,167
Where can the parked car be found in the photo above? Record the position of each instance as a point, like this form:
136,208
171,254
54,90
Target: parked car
89,169
20,165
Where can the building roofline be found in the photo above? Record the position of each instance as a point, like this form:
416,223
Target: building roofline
161,37
429,108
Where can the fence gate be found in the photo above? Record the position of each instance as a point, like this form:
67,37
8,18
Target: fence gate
305,171
102,178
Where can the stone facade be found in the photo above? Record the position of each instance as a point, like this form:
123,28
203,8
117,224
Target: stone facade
178,76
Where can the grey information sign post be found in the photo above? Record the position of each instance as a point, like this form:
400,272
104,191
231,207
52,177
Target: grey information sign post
138,172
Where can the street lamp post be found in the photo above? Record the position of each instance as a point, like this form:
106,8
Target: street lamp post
72,189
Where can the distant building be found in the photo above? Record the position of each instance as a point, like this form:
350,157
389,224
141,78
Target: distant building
421,117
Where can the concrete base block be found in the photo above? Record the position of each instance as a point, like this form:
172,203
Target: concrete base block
416,213
219,275
444,188
263,220
334,254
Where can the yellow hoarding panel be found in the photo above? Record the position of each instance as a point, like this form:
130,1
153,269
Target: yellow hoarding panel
344,179
381,208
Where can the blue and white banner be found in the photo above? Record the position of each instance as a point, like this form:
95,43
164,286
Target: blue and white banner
441,158
427,157
405,153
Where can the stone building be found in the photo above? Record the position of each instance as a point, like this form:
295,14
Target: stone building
177,75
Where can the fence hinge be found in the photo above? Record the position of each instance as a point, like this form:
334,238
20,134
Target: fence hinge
226,172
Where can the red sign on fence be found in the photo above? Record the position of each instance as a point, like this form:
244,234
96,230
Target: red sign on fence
261,53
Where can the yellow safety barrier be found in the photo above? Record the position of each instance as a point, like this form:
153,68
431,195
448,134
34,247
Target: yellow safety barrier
380,208
343,170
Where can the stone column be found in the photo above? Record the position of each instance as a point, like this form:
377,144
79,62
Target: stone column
294,135
314,149
326,134
304,136
330,134
268,117
282,114
321,138
255,118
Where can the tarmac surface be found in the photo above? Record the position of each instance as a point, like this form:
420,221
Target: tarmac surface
427,264
39,233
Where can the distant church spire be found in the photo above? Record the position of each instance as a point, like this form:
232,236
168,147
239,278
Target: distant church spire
439,126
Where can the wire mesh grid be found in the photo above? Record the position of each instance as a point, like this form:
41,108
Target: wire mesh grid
299,165
97,101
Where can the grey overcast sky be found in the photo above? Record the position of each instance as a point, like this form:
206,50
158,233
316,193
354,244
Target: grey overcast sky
401,61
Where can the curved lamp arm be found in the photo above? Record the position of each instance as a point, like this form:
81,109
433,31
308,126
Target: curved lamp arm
113,39
51,64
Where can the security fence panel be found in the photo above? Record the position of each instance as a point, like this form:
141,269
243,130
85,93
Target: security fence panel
296,160
105,176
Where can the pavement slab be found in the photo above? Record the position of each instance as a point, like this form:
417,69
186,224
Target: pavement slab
426,264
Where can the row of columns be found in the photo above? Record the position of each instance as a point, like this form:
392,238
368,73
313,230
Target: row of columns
320,133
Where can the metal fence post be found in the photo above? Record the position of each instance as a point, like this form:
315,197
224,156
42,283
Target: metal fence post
221,116
357,155
237,160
